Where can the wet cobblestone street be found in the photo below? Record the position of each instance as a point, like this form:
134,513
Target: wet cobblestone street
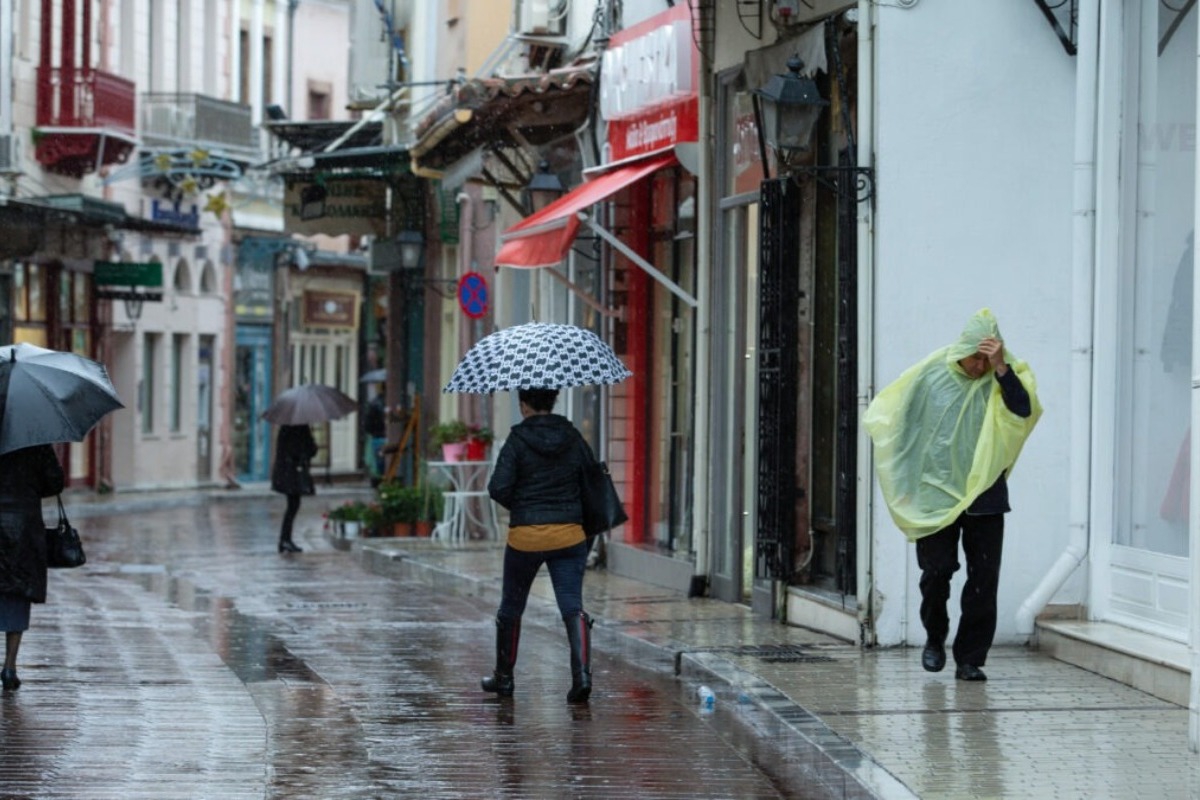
188,659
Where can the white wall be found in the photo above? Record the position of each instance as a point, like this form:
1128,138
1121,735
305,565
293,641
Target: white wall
975,106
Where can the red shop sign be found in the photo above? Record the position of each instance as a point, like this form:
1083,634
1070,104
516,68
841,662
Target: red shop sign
649,85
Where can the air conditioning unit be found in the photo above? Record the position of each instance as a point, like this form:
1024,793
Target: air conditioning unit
542,18
10,157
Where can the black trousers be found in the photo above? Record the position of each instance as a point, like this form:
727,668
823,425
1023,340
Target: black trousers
289,516
937,556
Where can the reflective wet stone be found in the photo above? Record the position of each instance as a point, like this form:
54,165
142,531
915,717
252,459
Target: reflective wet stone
188,659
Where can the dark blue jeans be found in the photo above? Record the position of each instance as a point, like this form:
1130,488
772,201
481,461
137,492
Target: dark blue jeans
566,567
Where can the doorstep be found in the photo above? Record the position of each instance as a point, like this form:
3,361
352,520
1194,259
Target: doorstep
1148,663
824,611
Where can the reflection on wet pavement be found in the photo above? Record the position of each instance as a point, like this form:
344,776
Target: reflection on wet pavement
188,659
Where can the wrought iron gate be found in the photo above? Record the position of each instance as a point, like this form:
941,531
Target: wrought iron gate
778,376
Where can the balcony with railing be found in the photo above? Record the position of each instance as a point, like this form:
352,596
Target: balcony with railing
85,119
197,121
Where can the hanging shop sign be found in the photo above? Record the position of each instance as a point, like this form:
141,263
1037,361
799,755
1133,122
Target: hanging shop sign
649,86
473,295
175,213
129,276
333,207
326,309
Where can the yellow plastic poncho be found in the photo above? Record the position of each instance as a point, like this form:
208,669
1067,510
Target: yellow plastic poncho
942,438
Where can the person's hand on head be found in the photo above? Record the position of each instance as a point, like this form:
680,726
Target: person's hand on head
994,350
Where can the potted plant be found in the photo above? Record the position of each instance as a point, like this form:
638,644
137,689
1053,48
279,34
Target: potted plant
479,439
401,507
451,435
347,518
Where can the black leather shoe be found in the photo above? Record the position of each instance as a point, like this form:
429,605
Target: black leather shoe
969,672
9,679
933,658
289,547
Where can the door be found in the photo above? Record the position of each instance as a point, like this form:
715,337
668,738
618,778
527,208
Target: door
1147,582
330,359
204,372
252,394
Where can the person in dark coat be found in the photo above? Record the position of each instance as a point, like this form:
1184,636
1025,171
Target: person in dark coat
26,476
538,478
294,449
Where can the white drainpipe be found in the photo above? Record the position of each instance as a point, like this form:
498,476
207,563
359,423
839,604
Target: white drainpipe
866,321
1194,506
1083,250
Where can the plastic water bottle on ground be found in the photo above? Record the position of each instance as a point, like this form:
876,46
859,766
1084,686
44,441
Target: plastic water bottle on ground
708,700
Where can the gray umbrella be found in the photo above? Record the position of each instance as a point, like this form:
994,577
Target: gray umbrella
309,403
52,397
536,355
374,376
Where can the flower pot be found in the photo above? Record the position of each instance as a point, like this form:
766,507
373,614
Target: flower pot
454,452
423,528
351,529
477,450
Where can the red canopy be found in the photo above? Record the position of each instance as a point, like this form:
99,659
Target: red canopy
544,238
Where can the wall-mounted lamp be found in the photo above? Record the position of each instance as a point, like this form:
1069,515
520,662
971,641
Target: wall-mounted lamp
411,247
312,201
543,188
791,105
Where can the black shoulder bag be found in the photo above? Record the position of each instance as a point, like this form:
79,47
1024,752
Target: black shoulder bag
63,548
602,509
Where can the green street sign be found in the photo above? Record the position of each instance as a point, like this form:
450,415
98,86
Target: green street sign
127,273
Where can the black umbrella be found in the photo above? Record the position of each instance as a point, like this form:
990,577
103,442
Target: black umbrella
309,403
51,396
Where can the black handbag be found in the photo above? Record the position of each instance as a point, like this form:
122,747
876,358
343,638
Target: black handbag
602,509
63,548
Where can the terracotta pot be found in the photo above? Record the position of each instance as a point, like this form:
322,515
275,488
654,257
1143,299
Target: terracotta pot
477,450
454,452
423,528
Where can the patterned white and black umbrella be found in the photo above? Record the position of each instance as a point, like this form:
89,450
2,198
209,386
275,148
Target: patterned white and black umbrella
536,355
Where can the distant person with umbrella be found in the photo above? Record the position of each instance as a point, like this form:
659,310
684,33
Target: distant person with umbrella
294,449
294,411
45,396
539,479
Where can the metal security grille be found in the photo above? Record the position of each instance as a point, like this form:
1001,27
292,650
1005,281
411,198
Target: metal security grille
778,373
847,386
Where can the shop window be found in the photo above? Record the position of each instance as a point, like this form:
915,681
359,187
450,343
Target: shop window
178,354
146,390
208,279
183,277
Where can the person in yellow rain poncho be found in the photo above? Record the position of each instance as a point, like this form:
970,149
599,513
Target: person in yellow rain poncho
946,434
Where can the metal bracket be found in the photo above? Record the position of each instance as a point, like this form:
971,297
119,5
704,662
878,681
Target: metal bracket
1065,25
856,182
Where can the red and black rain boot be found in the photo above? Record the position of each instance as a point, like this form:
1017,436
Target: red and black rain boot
579,635
508,636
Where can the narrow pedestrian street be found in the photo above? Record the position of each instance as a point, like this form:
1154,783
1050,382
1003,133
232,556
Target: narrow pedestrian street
188,659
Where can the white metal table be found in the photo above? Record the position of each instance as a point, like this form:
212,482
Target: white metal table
467,503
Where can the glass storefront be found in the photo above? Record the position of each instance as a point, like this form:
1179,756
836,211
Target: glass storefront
1157,292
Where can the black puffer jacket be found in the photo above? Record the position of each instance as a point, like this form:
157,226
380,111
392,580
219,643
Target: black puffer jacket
538,475
26,476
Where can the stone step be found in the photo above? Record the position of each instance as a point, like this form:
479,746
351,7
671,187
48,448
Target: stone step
1148,663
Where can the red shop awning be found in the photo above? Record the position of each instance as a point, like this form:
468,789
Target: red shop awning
544,238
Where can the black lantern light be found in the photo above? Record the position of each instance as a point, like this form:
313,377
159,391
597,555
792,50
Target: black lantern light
411,246
543,188
791,105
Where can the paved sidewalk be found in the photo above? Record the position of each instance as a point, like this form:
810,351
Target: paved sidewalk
863,723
